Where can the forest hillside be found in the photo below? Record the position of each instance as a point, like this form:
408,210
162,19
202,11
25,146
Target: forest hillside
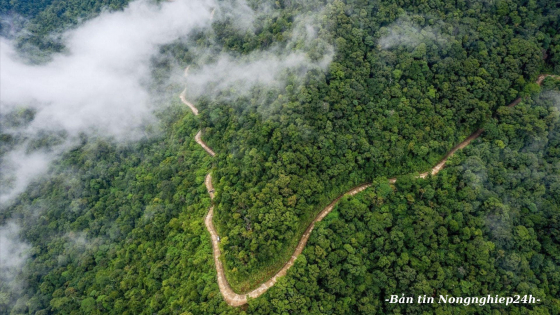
103,201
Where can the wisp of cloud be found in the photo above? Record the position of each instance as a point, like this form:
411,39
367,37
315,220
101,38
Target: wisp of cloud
98,86
13,253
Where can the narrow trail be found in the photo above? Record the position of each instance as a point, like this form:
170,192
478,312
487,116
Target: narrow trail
234,299
202,144
189,104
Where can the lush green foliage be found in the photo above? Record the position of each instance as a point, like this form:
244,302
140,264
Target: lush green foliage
120,229
487,224
47,18
378,111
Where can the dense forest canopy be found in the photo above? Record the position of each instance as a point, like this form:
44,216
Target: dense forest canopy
44,20
403,88
487,224
386,89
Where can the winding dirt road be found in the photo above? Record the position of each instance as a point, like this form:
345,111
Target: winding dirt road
235,299
202,144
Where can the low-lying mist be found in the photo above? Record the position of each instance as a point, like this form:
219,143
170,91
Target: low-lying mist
100,85
97,87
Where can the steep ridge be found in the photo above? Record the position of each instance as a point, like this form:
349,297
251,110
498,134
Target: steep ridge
234,299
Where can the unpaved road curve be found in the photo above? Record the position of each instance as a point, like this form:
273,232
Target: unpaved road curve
189,104
198,140
235,299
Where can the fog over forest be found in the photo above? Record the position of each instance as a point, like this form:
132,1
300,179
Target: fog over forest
318,156
99,85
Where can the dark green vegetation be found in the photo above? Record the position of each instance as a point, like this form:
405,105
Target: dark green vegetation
46,19
489,223
119,230
377,112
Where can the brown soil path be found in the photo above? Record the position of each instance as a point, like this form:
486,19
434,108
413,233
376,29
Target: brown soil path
198,140
235,299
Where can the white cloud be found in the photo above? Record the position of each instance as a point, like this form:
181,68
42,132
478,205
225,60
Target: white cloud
303,51
260,68
20,168
99,83
97,87
404,32
13,253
